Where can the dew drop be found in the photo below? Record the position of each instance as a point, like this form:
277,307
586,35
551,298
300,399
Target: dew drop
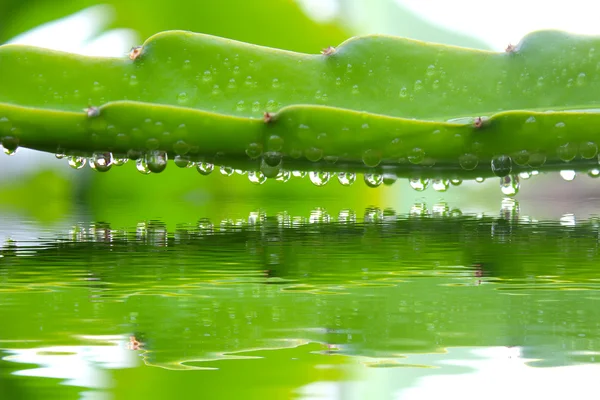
403,92
416,156
373,180
257,177
525,175
276,84
313,154
355,90
468,161
331,159
134,154
371,158
240,172
480,179
521,158
568,175
119,161
389,179
156,161
536,160
142,166
509,185
273,159
254,150
59,156
299,174
456,182
205,168
284,176
101,162
501,165
567,152
418,85
181,148
594,173
207,76
319,178
440,185
182,98
227,171
346,178
181,161
581,79
152,144
275,143
588,150
419,184
11,145
77,162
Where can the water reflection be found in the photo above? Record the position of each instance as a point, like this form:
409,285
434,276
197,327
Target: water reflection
348,294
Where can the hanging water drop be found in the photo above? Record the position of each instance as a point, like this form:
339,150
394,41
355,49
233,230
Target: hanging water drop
440,185
594,173
373,180
101,162
501,165
257,177
389,179
521,157
156,161
416,156
11,145
568,175
299,174
77,162
509,185
456,182
567,152
142,166
205,168
240,172
346,178
319,178
181,161
284,176
273,159
227,171
480,179
525,175
588,150
419,184
59,156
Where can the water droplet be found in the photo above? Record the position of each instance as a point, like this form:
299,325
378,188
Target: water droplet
133,81
594,173
207,76
101,162
371,158
142,166
59,156
567,152
241,105
227,171
440,185
254,150
501,165
373,180
331,159
156,161
257,177
152,144
181,148
181,161
418,85
525,175
319,178
536,160
355,90
273,159
182,98
588,150
299,174
11,145
521,158
419,184
468,161
430,70
274,143
313,154
119,161
284,176
276,84
77,162
581,79
205,168
134,154
480,179
346,178
456,182
416,156
403,92
568,175
389,178
509,185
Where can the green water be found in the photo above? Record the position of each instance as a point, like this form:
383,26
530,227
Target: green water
373,303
